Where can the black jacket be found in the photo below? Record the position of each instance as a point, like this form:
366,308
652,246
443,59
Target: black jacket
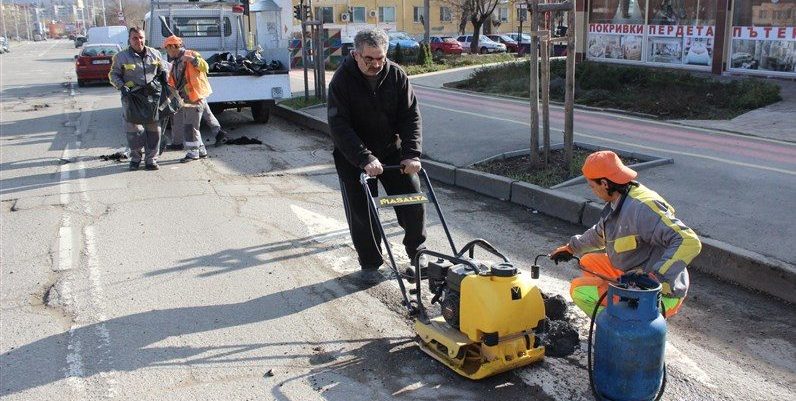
367,124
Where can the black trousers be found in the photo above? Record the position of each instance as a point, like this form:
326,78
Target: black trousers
364,229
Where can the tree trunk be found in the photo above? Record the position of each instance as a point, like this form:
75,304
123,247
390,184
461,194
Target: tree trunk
476,35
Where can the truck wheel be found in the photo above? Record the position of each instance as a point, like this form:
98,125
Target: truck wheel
261,112
81,83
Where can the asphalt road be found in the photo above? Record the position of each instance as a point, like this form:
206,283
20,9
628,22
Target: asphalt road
734,188
230,277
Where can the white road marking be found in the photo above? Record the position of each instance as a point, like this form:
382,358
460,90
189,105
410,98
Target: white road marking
48,49
676,152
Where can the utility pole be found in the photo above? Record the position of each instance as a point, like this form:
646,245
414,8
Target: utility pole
104,21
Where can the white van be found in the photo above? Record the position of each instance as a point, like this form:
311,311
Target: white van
108,34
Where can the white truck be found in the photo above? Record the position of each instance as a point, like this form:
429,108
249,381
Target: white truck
217,26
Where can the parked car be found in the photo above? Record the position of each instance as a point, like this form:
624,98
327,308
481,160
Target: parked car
79,41
94,62
4,45
37,38
445,45
485,45
346,45
410,49
511,44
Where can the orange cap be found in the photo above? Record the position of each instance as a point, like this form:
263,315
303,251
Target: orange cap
172,40
606,164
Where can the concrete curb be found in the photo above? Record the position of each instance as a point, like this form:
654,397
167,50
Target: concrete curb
301,118
722,260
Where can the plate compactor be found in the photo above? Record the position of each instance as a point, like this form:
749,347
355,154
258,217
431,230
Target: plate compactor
492,315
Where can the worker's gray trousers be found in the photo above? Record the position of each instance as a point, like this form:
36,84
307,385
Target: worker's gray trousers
143,137
177,136
187,121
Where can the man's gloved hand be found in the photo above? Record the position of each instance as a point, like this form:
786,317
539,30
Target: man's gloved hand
563,253
410,166
374,168
125,90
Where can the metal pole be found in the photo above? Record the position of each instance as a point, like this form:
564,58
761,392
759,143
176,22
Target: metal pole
104,21
304,61
3,17
27,23
569,94
16,20
534,89
545,48
322,74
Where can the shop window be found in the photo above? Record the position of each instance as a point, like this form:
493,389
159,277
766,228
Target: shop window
617,11
358,14
682,12
387,14
445,14
763,36
417,15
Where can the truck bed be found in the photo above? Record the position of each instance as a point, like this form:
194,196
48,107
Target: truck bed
247,88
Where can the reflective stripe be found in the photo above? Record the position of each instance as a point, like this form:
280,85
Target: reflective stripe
689,248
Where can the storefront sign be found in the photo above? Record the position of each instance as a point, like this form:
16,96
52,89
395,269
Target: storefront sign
617,29
764,33
680,31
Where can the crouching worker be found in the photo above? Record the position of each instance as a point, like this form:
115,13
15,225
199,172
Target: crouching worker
189,76
637,232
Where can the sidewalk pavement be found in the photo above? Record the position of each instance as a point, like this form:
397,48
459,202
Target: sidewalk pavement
732,262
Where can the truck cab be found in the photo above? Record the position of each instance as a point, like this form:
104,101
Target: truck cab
217,27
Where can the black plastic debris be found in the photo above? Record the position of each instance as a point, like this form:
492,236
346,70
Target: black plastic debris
244,140
253,63
118,156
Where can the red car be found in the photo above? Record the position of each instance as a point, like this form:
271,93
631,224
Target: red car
511,44
445,45
94,62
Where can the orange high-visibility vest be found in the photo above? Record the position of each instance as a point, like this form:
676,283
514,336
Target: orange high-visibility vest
196,86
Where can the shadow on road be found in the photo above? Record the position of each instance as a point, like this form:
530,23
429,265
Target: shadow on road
31,366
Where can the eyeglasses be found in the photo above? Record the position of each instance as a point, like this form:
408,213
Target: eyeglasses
371,60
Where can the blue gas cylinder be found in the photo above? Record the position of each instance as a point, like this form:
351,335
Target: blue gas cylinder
630,342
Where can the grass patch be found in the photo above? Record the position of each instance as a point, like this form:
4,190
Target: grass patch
662,93
454,61
520,168
297,103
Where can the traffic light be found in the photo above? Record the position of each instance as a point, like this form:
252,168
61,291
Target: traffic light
307,12
297,12
245,4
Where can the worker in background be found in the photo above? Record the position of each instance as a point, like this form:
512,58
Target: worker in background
137,68
374,121
637,233
188,75
222,136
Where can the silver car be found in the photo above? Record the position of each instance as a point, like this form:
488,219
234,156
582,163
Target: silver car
485,45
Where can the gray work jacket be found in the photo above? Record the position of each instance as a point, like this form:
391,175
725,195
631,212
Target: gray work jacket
642,232
129,69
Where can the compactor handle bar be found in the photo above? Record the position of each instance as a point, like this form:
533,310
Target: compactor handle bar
363,179
470,246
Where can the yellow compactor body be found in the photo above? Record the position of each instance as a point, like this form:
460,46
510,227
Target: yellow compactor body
497,318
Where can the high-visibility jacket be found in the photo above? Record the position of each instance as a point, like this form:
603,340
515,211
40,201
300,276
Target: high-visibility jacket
194,83
641,232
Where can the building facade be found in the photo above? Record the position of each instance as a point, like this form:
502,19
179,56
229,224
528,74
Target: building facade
351,16
755,37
